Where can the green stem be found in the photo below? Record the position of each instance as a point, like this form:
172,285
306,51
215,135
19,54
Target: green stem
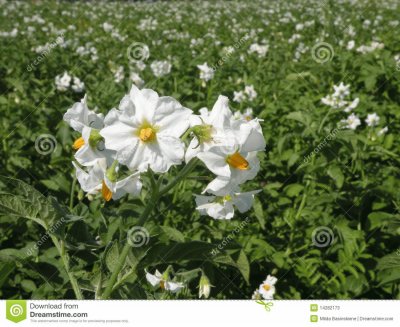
71,196
64,256
323,120
142,219
116,271
125,251
181,175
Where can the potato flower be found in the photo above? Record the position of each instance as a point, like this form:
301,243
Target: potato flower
267,288
90,146
222,207
145,131
162,281
237,163
210,128
99,178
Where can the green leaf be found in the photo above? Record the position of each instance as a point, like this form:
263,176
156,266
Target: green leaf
112,256
336,174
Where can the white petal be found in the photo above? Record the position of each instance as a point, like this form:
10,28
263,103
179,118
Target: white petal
153,280
129,185
244,201
145,102
118,135
220,114
172,148
173,286
171,117
215,160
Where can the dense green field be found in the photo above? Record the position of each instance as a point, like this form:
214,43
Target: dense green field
326,221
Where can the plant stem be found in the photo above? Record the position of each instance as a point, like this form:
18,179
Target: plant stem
116,271
142,219
181,175
64,256
71,196
125,251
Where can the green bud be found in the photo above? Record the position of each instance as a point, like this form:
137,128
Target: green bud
94,138
111,172
202,133
204,286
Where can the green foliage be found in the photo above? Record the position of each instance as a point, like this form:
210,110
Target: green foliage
51,233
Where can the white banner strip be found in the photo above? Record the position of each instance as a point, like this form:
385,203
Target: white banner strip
379,313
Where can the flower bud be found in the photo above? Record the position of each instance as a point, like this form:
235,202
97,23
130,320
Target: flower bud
204,286
94,138
202,133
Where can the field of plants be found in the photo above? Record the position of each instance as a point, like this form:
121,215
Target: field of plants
200,149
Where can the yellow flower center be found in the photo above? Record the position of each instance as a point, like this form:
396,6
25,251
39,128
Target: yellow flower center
162,284
267,287
80,142
147,134
237,161
106,192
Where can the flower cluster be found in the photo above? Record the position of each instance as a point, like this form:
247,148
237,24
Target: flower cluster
66,81
339,99
145,133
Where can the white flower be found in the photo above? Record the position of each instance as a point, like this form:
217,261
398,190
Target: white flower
250,92
206,72
352,122
372,120
159,280
100,179
78,86
222,207
239,96
341,90
146,130
235,161
135,78
160,68
119,74
350,45
383,131
352,105
261,50
210,128
267,288
90,147
63,82
247,115
79,116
